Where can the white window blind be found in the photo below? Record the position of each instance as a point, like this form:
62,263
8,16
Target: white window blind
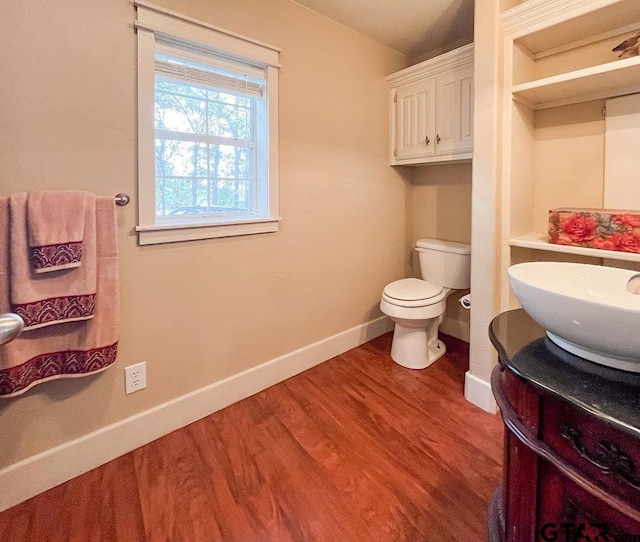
182,70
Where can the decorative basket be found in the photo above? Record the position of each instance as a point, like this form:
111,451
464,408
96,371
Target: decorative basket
605,229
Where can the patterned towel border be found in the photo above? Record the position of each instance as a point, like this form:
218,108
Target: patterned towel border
55,310
70,363
54,257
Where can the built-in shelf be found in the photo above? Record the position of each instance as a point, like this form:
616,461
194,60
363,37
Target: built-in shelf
597,82
558,53
542,25
538,241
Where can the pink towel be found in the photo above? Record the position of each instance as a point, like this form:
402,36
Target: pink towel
55,219
50,298
72,349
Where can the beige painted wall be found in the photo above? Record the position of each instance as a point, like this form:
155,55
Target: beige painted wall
200,311
441,209
569,159
441,202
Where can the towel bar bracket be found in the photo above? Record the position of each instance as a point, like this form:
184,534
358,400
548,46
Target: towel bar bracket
122,199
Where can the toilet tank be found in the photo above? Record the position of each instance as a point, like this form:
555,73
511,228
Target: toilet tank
445,263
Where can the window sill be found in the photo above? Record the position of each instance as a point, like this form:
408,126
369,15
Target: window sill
173,233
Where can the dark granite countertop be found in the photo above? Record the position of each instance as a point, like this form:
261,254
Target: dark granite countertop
609,394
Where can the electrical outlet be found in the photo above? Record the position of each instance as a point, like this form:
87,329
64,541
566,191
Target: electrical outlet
135,377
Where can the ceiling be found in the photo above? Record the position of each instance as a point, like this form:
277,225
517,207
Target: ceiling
415,28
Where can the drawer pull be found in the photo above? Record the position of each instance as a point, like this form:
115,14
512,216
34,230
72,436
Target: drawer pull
608,456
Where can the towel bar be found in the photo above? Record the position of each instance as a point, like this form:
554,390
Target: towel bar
10,326
122,199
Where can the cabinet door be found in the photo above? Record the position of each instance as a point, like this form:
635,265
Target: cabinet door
568,512
414,120
454,111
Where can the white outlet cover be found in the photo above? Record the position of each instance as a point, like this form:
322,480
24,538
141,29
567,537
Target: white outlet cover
135,377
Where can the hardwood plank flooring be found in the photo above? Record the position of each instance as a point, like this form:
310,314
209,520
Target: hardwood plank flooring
355,449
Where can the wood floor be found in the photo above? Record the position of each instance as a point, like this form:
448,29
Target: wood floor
355,449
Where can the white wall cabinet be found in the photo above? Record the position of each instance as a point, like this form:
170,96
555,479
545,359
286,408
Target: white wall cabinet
432,110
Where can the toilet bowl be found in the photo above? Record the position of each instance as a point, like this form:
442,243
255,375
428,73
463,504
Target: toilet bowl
417,306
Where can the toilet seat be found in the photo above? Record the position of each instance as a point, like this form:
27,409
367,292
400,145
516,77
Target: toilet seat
412,293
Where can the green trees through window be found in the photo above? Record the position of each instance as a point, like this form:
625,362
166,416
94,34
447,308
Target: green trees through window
205,147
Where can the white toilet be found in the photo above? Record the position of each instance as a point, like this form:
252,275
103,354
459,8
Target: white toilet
417,306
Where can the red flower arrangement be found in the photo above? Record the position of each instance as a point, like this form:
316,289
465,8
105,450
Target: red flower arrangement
591,228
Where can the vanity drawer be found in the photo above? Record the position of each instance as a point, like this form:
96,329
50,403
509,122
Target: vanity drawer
603,454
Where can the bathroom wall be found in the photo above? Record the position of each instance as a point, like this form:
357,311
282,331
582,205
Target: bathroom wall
569,159
201,311
441,208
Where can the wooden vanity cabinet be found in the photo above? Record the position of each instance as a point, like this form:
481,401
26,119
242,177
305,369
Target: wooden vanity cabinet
572,442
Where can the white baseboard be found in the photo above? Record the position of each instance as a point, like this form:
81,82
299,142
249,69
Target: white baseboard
479,393
455,328
43,471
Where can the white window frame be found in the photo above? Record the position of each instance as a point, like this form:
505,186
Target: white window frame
153,24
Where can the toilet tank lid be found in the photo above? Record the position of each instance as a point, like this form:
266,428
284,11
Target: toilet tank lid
444,246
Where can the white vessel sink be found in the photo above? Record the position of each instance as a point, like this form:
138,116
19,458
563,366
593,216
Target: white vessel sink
585,309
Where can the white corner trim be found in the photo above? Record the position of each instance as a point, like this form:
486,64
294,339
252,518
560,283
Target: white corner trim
161,20
50,468
479,393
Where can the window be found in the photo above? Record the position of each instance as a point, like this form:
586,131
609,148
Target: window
207,124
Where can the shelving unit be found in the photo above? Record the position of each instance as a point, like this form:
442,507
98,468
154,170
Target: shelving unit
538,241
559,69
544,26
598,82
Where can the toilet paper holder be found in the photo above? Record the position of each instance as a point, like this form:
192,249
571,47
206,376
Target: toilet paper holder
465,301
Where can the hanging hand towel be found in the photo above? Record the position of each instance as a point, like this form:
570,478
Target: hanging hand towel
50,298
68,350
55,221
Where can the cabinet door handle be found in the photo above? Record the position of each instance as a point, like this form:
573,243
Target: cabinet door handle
438,138
608,457
395,152
426,141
